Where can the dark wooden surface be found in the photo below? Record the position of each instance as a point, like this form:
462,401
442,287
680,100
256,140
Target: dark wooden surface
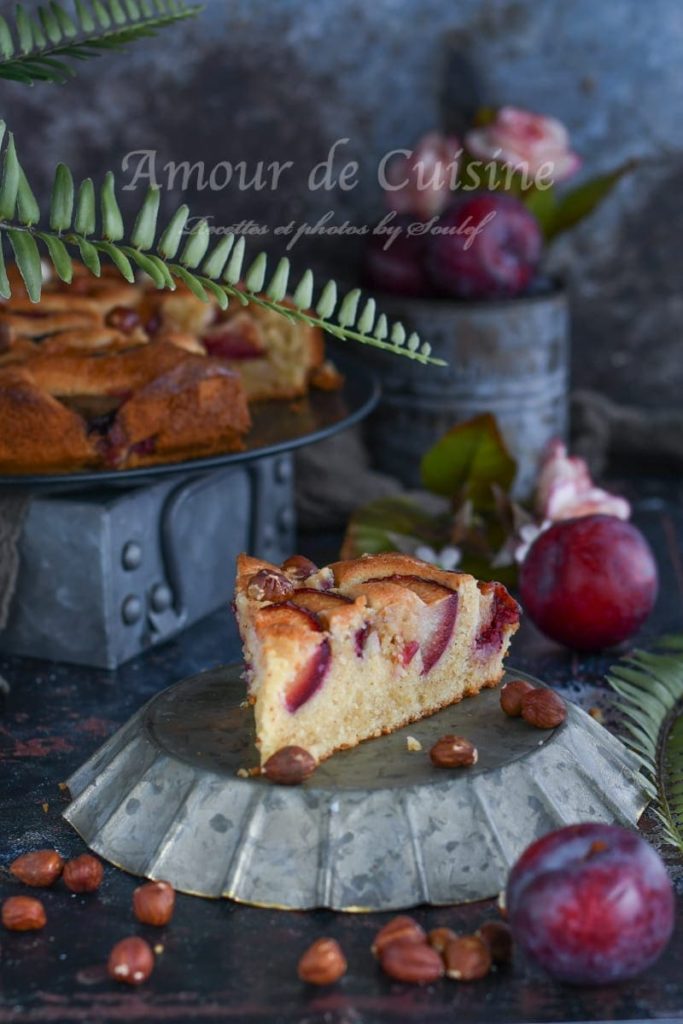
224,962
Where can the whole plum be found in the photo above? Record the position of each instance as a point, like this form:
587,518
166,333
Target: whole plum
590,582
592,903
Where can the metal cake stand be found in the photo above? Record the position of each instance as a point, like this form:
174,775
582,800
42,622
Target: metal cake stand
375,828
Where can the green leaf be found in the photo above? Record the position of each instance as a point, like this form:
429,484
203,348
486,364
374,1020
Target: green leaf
277,289
119,259
468,460
573,206
5,289
28,261
85,219
148,265
6,41
233,271
59,255
543,205
191,281
145,225
66,25
216,290
348,311
112,221
89,255
50,25
170,239
27,204
393,524
256,274
84,15
214,264
24,30
101,13
196,245
62,202
117,12
366,321
303,296
327,301
9,185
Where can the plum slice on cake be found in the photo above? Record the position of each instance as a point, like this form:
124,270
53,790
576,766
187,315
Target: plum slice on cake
337,655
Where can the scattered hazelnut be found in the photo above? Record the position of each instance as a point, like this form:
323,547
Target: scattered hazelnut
323,963
40,868
414,962
123,318
438,938
299,567
131,961
543,708
154,902
511,696
83,874
23,914
289,766
270,585
412,744
596,713
467,958
498,937
453,752
399,929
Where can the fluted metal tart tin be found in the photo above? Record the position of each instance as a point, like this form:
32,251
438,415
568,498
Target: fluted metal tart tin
375,828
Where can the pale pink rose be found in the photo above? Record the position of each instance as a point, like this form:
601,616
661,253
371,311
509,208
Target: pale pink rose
421,183
565,489
526,141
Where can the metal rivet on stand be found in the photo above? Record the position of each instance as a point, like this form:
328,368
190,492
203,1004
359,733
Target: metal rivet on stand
131,557
131,610
161,597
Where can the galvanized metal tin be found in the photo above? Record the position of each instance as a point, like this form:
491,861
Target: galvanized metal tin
375,828
510,358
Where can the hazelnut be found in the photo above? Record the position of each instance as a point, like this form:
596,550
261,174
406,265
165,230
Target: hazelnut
23,914
40,868
131,961
467,958
414,962
299,567
323,963
270,585
453,752
154,902
498,937
289,766
543,708
83,874
438,938
511,696
399,929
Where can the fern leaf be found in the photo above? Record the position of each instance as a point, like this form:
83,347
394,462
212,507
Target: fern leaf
649,688
54,37
5,290
73,224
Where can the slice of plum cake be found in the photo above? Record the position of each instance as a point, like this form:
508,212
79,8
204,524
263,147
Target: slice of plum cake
337,655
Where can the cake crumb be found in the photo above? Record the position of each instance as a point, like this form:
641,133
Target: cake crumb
247,773
597,714
413,744
158,949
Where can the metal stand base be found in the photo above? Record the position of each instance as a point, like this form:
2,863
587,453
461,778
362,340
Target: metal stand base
375,828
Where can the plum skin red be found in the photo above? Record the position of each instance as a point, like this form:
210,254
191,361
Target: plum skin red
592,903
589,583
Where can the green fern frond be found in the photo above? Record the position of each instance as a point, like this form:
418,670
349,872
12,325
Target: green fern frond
36,48
172,255
650,690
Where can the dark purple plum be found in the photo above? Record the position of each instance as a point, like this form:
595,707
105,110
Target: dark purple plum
591,903
488,248
400,268
589,583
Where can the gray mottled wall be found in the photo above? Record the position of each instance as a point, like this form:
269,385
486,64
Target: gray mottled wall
282,79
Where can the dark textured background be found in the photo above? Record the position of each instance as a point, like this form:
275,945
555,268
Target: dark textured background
282,79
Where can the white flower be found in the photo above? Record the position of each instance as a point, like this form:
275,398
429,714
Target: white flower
448,558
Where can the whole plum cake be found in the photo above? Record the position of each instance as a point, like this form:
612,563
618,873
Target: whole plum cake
337,655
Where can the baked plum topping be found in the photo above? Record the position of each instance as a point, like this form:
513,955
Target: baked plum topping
123,318
229,344
504,611
310,678
361,639
409,651
443,616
